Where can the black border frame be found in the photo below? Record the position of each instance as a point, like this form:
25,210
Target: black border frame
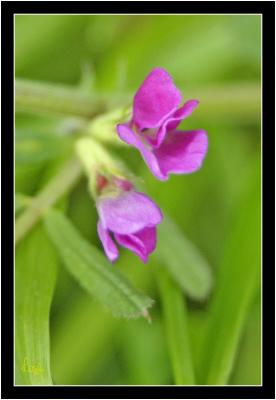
267,9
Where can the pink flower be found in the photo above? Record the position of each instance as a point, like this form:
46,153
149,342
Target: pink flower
152,129
129,218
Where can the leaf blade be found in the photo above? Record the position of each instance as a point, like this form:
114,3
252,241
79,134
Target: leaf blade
35,277
90,268
183,261
176,325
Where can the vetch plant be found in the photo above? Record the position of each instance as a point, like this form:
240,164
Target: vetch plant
97,242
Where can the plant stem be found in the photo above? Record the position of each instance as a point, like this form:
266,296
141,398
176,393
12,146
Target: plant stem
53,191
240,100
57,99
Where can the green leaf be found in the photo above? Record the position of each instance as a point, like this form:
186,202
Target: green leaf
183,260
238,281
247,372
35,277
176,324
94,273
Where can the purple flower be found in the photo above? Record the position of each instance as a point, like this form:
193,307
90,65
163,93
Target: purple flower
152,129
129,218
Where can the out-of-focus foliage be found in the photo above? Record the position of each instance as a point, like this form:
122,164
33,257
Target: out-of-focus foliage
105,53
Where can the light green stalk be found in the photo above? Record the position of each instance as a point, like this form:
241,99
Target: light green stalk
48,196
95,158
57,99
240,100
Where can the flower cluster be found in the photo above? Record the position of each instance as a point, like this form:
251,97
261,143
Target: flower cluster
126,216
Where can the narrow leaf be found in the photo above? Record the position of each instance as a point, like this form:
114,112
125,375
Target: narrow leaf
94,273
247,372
176,324
35,276
183,261
238,281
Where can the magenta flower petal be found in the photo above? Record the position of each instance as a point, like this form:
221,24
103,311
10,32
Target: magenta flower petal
172,122
141,243
129,137
155,100
109,246
152,129
127,217
182,152
128,213
148,237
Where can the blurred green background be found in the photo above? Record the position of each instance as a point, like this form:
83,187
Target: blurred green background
216,59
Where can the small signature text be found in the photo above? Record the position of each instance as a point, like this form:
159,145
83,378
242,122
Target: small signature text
32,368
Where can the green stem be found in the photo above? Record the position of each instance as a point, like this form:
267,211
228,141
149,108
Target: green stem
176,325
57,99
48,196
239,100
